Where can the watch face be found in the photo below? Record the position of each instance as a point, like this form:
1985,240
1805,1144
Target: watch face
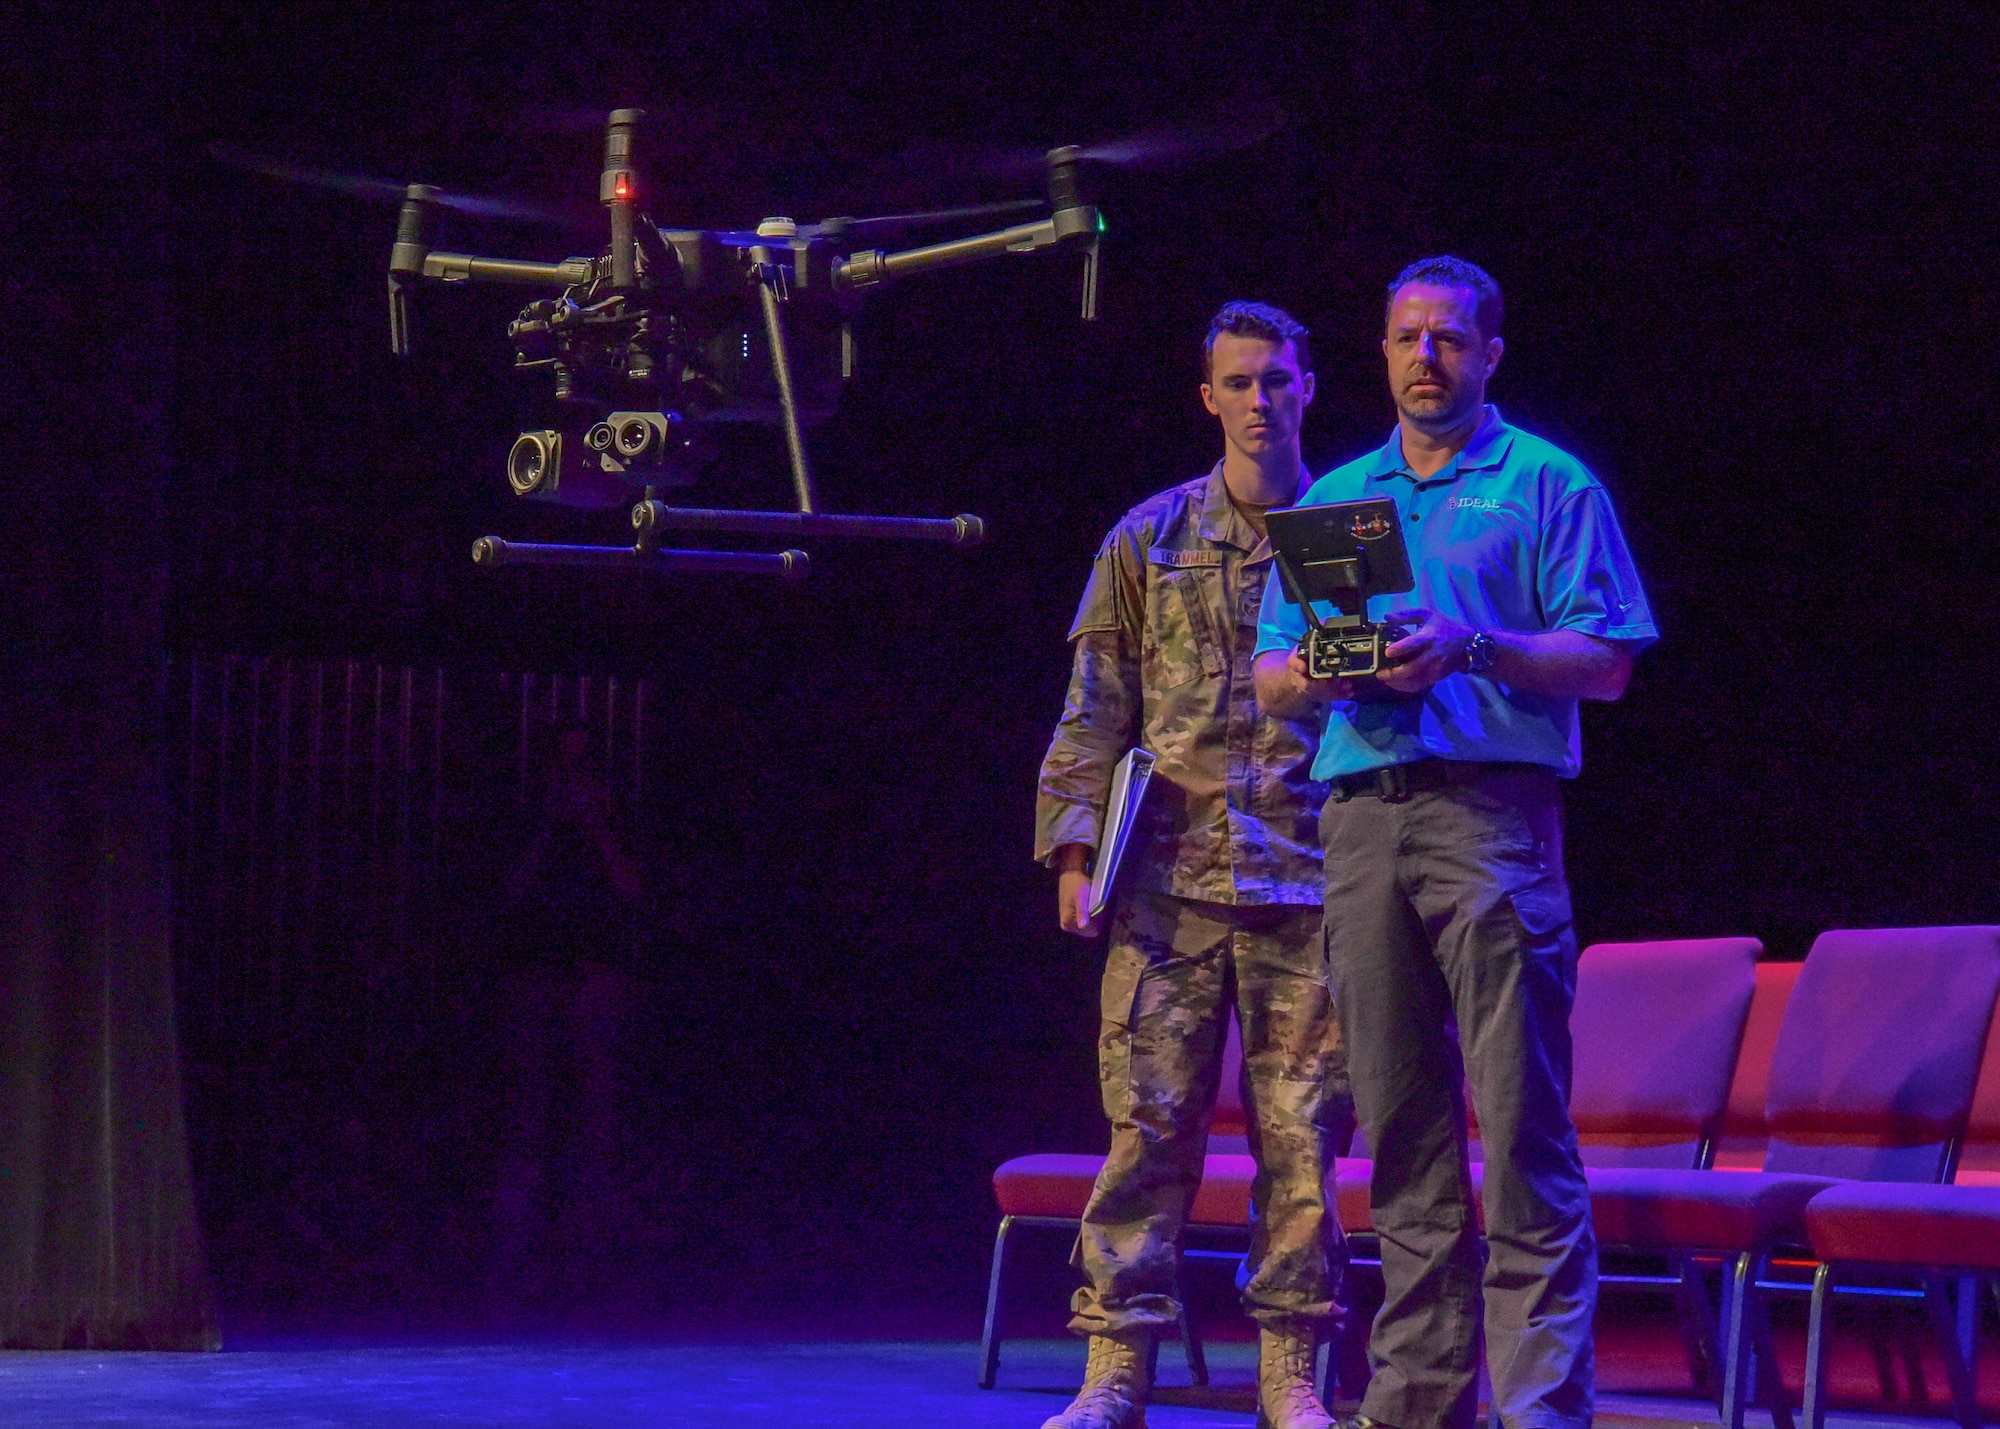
1479,652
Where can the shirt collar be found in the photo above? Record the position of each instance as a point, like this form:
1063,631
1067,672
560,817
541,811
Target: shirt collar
1488,448
1222,521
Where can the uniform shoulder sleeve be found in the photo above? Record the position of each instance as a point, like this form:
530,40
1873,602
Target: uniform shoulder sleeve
1114,598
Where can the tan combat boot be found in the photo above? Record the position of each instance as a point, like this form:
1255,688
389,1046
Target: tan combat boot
1114,1385
1285,1397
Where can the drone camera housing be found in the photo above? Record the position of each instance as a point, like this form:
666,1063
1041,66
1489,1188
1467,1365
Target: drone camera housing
609,464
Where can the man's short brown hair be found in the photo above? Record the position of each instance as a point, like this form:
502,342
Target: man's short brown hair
1259,320
1445,271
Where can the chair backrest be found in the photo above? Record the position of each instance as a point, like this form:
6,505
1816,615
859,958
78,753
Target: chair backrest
1655,1029
1873,1073
1745,1138
1979,1159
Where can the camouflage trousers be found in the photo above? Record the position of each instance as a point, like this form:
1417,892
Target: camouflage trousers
1175,971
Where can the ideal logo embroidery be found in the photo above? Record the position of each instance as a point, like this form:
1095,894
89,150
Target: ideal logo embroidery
1471,503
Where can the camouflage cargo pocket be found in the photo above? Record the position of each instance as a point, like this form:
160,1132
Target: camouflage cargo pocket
1117,1006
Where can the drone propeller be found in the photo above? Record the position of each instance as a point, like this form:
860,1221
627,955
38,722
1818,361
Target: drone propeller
388,190
1194,143
936,215
836,228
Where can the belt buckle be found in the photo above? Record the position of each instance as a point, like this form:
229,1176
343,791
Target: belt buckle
1392,784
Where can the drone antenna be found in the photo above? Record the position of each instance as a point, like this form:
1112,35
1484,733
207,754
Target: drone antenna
618,189
406,260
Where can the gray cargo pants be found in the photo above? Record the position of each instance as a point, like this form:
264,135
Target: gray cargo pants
1450,907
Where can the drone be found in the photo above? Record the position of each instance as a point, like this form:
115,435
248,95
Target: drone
672,333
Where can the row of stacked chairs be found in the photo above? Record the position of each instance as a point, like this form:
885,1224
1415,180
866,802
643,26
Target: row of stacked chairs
1843,1112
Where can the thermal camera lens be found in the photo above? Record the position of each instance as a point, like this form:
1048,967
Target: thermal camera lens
529,463
634,436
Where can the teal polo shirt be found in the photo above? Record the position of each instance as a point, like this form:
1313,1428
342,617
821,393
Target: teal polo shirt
1512,534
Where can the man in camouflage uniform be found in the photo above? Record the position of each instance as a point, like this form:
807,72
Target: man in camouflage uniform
1218,906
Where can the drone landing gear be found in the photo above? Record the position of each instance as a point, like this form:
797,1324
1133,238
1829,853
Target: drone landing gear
791,565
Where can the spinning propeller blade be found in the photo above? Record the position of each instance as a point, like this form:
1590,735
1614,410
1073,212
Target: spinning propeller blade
1248,123
388,190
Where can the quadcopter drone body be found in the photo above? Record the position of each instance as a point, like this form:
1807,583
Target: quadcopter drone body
673,331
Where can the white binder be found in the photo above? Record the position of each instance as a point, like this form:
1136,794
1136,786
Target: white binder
1121,814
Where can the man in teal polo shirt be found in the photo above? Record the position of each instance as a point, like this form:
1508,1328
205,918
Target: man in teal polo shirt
1447,912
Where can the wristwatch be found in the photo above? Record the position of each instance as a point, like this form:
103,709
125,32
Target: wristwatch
1480,652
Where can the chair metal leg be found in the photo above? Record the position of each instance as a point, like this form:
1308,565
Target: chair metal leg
1697,1319
1968,1324
1739,1284
1357,1327
1197,1361
1770,1384
1945,1321
989,1347
1818,1336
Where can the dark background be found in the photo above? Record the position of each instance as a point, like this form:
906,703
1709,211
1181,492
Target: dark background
1748,261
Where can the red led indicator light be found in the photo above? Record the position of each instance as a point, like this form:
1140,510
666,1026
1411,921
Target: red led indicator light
623,187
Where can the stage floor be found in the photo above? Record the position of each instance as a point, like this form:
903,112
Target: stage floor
321,1385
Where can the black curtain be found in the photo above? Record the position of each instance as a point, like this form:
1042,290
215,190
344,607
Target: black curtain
98,1239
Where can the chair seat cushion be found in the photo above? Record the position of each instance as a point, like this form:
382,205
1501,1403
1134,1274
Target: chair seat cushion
1890,1222
1058,1185
1352,1179
1046,1184
1224,1197
1698,1210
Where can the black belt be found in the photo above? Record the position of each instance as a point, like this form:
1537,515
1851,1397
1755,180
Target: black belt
1396,783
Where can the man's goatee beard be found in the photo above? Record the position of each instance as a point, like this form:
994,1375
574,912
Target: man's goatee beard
1439,418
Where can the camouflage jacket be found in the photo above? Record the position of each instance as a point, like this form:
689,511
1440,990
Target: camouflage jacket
1162,650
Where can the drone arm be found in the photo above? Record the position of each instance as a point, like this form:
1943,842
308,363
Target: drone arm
466,268
864,270
406,260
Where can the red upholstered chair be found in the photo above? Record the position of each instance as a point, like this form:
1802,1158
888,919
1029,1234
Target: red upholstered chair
1871,1079
1979,1156
1938,1233
1656,1029
1050,1190
1744,1137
